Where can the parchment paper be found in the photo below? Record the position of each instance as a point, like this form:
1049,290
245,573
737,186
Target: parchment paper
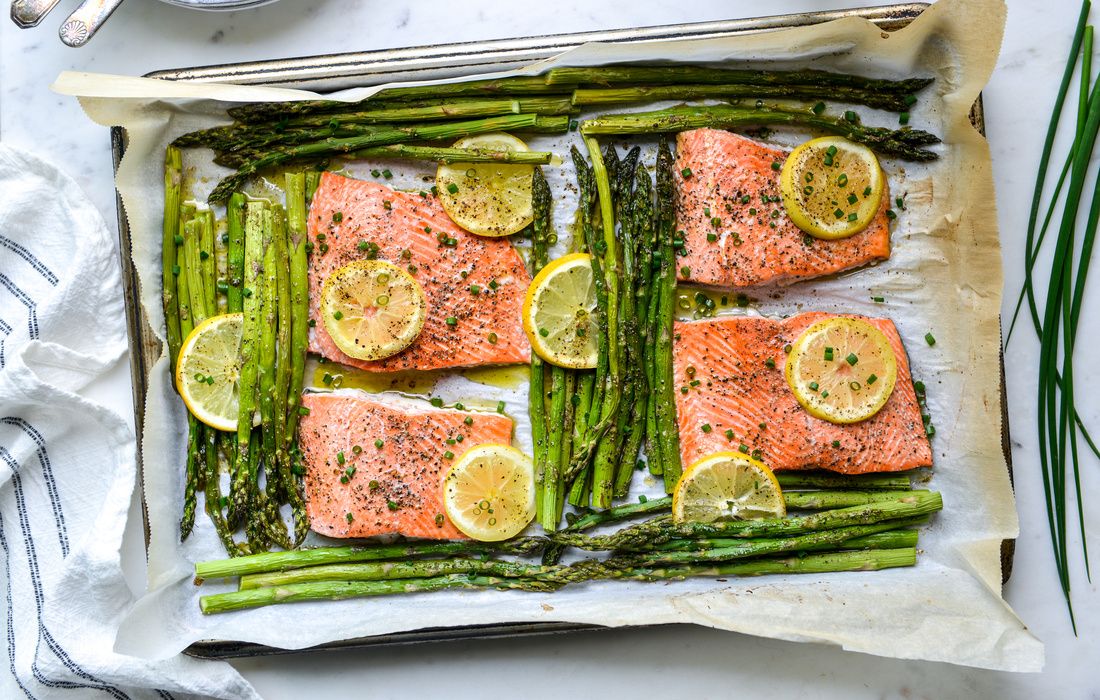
943,277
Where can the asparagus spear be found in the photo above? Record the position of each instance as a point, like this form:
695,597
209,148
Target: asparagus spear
585,446
336,146
900,143
536,395
299,339
173,180
641,212
340,590
313,181
266,111
676,74
749,548
252,304
194,428
235,252
385,571
889,539
871,560
603,469
317,556
656,93
552,478
662,529
668,437
825,500
550,578
454,155
546,125
208,262
271,429
826,480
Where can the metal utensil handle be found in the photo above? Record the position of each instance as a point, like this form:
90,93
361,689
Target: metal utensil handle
28,13
86,20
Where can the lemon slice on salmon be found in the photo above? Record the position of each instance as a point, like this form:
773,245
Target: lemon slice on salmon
208,369
832,187
727,486
489,199
372,309
489,494
842,370
559,312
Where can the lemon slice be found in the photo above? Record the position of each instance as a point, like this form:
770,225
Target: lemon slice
489,199
727,486
559,312
489,494
842,370
372,309
831,187
208,369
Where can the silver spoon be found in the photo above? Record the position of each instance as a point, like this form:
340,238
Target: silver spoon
28,13
86,20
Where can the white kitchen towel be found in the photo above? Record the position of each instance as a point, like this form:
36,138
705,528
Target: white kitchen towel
67,465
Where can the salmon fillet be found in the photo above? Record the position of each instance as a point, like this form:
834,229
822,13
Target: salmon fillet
396,488
406,228
738,392
733,191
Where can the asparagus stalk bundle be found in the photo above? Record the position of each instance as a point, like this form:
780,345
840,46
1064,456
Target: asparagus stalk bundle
842,539
380,137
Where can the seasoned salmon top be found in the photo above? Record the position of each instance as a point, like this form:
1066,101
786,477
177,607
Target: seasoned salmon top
393,482
724,380
736,231
474,285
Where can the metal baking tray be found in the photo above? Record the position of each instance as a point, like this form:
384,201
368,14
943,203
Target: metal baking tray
341,71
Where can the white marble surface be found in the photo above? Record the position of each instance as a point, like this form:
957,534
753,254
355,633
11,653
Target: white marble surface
676,661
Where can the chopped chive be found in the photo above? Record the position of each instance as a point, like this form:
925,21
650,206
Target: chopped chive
836,443
871,379
452,188
852,358
819,108
436,401
705,427
770,363
468,420
685,173
729,434
878,300
387,174
452,321
930,339
378,443
743,448
340,458
337,217
813,386
828,354
337,315
492,338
